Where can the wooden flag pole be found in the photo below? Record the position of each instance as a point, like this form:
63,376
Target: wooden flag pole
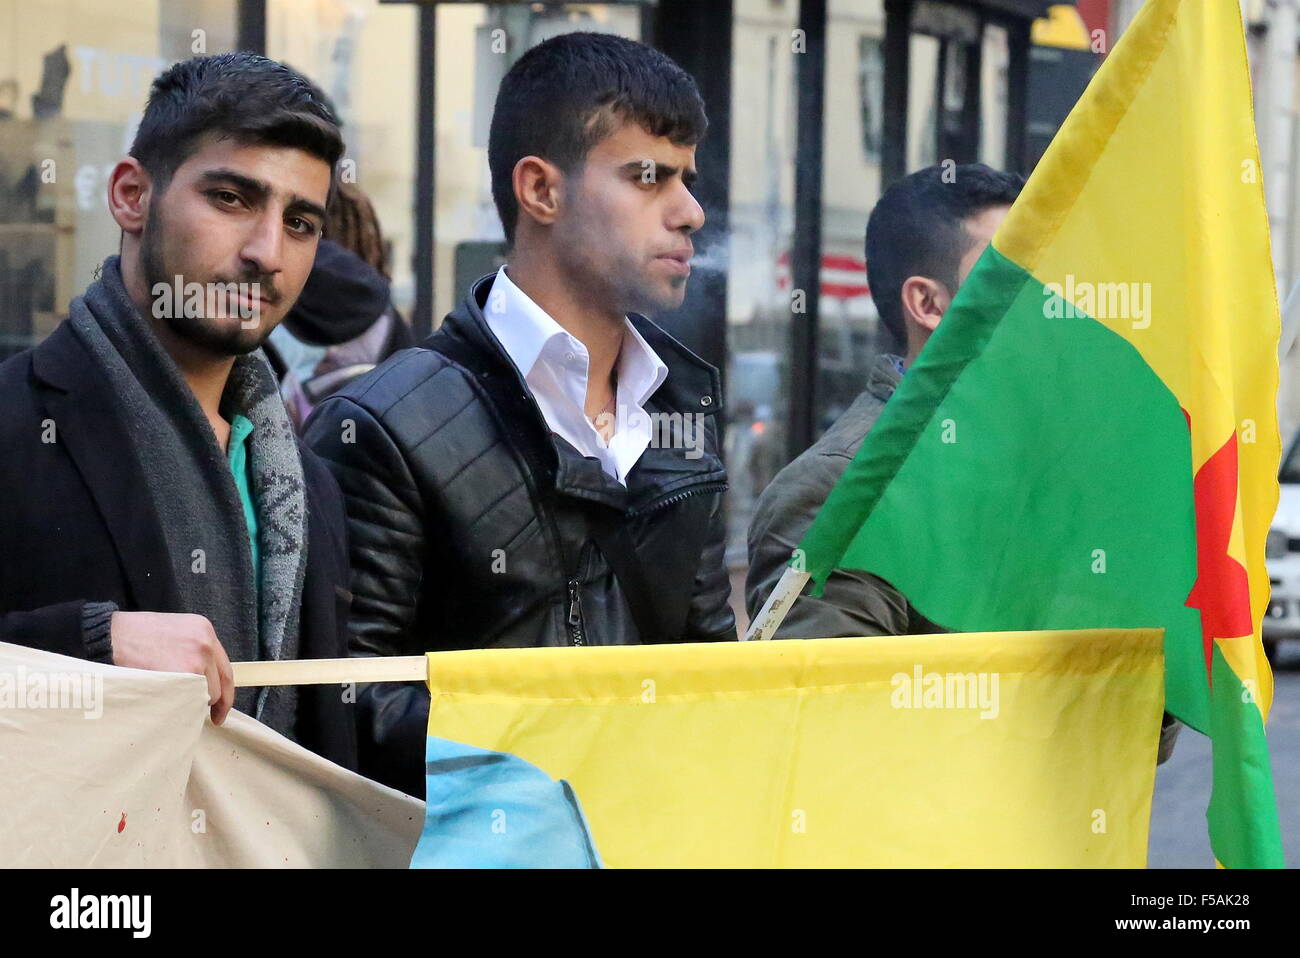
777,606
415,668
394,668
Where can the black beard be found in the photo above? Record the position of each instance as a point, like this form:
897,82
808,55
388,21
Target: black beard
640,300
196,330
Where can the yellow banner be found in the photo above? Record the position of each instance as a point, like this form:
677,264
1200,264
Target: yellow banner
979,749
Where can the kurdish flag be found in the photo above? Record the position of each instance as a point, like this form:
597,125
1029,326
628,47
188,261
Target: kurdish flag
1090,437
1022,749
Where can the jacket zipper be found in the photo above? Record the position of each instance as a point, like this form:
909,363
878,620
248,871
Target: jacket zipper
575,614
576,631
674,499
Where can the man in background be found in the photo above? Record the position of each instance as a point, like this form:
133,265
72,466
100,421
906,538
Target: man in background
923,238
924,235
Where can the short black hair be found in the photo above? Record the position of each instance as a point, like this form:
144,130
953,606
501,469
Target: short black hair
566,94
916,229
240,95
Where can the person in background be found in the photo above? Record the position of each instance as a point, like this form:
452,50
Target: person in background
344,323
923,238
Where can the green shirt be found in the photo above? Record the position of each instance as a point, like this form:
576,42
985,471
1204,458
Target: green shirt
237,453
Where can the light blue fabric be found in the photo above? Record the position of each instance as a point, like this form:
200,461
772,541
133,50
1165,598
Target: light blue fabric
487,809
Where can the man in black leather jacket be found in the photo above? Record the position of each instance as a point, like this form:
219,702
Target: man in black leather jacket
544,470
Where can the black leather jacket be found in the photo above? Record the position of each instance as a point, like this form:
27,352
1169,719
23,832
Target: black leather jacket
470,522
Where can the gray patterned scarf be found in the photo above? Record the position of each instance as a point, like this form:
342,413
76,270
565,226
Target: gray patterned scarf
192,490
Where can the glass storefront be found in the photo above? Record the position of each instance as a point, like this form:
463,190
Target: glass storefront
364,55
74,75
758,276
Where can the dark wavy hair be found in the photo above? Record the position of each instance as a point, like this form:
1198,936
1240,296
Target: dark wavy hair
916,229
567,94
240,95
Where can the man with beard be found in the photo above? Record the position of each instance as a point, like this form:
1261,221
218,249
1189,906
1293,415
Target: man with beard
543,471
158,512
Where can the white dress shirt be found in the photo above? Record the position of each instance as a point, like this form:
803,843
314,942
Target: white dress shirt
555,366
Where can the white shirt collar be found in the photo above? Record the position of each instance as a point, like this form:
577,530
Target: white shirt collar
531,330
555,365
639,368
522,327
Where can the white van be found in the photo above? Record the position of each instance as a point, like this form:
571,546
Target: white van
1282,551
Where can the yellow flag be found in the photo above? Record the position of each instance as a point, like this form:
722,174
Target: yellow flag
993,749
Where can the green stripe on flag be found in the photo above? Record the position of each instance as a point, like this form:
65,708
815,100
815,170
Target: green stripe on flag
1242,817
1033,472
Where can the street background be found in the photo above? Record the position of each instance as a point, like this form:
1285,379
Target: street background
787,182
1179,838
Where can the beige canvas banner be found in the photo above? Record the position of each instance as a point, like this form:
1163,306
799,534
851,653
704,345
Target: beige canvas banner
108,767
